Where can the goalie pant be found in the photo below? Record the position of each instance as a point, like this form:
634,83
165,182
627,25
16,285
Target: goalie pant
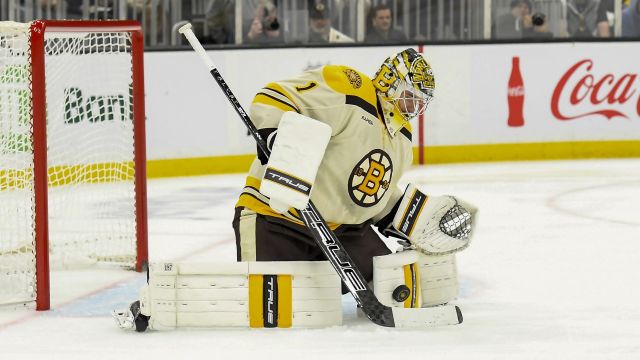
266,238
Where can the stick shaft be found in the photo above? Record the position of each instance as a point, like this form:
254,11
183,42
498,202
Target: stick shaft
187,31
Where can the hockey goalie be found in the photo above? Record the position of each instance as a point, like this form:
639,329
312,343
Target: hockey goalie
343,140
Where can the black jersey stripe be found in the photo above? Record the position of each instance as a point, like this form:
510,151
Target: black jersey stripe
380,113
278,91
255,193
361,103
255,197
292,103
292,107
252,188
406,132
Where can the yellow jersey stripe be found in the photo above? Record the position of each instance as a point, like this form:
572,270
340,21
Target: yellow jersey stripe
262,98
275,87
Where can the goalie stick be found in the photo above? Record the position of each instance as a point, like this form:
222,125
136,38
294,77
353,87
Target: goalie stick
327,241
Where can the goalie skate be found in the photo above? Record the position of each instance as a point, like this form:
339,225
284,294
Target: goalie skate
131,318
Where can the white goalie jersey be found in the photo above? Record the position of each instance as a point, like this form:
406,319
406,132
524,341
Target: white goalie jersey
366,156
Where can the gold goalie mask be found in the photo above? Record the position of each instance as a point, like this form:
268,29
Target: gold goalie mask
405,81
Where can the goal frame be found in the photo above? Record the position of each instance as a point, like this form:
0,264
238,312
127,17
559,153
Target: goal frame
37,31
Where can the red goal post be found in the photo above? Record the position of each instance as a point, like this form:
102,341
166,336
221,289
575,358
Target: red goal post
76,171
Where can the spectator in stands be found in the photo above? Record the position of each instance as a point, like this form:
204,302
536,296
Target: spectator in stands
535,26
265,28
48,8
526,21
319,23
381,30
320,30
605,18
96,10
581,18
509,25
74,9
631,20
220,22
48,4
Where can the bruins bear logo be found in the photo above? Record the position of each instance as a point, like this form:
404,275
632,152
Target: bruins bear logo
354,78
371,178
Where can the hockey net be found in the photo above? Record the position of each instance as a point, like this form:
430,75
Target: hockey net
72,193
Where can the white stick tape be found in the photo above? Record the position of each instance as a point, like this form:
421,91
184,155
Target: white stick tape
187,31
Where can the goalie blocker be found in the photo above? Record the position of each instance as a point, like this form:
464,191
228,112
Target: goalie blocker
244,294
295,157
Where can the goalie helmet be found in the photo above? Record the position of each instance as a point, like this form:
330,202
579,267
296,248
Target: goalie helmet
405,80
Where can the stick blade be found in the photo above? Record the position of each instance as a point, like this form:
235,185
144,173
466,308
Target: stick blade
427,317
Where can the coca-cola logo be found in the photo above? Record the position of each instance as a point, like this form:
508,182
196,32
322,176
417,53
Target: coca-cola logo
516,91
607,94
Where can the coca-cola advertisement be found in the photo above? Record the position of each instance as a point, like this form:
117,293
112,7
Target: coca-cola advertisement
556,92
585,91
515,95
485,94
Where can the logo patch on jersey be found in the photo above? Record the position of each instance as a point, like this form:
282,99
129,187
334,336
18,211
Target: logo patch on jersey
371,178
354,78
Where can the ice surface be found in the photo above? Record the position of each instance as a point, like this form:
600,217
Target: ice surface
553,273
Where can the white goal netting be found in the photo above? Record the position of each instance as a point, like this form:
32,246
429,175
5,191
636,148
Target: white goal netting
89,147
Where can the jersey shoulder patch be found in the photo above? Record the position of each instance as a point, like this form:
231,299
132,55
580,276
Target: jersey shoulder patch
348,81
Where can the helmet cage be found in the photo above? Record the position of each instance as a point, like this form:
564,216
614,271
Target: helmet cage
406,81
409,101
